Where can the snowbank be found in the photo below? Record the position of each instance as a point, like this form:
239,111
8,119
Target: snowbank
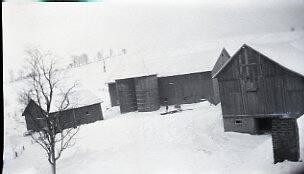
192,141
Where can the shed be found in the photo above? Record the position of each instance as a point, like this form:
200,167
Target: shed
85,108
262,90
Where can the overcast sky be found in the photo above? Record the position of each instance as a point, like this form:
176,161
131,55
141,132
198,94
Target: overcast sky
75,28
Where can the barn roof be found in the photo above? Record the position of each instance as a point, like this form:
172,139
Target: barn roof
27,107
31,104
288,55
168,64
77,99
223,58
194,57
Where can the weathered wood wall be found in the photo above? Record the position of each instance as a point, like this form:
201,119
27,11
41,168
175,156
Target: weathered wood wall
253,85
113,94
187,88
126,94
33,117
216,92
79,116
146,89
67,118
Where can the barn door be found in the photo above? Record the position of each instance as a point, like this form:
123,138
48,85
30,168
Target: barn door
251,82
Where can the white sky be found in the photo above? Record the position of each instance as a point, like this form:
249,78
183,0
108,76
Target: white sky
75,28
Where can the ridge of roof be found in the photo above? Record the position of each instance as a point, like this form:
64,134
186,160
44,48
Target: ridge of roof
272,60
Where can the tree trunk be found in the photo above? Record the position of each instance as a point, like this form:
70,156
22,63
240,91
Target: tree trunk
54,167
53,151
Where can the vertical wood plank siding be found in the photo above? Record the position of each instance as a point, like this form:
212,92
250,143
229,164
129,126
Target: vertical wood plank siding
147,97
187,88
276,90
67,118
79,116
113,94
126,94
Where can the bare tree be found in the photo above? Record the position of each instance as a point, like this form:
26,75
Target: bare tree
44,84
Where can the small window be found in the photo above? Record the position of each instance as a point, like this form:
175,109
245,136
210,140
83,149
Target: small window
238,122
251,85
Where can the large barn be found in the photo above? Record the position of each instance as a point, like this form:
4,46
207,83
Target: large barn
84,109
261,90
189,81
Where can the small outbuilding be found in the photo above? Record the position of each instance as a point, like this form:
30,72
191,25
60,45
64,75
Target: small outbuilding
85,108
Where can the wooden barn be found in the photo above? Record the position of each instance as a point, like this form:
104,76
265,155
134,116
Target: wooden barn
87,110
139,93
189,82
262,90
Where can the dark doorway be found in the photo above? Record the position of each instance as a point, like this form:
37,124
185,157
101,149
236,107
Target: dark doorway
263,125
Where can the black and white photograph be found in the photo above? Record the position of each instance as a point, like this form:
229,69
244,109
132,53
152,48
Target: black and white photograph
153,87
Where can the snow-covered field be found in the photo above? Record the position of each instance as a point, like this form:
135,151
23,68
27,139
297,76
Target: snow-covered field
192,141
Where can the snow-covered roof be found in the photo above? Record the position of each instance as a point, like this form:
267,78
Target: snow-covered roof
285,48
289,55
200,57
168,64
285,54
77,99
